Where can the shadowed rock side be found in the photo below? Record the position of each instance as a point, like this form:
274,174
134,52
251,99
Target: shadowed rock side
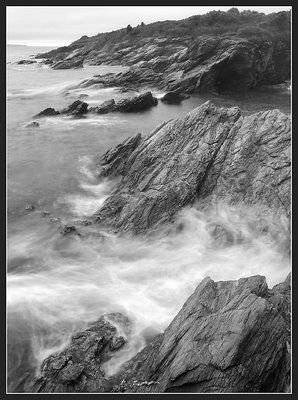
212,151
209,63
231,336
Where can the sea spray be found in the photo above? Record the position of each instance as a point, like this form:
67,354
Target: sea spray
145,278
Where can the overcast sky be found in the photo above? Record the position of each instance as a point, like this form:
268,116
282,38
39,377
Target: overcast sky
58,26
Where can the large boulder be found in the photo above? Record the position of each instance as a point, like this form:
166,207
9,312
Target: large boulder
211,151
136,103
173,97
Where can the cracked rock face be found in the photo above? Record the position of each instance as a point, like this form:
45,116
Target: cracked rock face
190,64
210,152
230,336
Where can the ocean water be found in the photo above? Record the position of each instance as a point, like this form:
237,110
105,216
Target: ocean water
57,285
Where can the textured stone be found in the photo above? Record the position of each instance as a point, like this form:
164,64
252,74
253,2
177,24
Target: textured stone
210,152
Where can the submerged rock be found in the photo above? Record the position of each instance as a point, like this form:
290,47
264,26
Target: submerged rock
30,207
68,229
32,124
210,152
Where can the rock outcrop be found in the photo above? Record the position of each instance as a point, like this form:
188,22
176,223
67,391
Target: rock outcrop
76,109
213,51
21,62
47,112
131,104
229,337
78,367
174,97
212,151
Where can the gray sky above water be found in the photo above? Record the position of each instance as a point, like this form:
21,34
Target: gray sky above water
58,26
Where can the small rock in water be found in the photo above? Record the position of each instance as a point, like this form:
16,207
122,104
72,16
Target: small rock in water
32,124
67,229
30,207
83,95
85,222
174,97
45,213
55,219
117,342
48,112
26,62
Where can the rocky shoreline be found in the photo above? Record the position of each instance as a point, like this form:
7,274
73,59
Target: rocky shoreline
231,336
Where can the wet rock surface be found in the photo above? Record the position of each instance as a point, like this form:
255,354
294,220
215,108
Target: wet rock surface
174,97
211,152
229,336
78,367
79,108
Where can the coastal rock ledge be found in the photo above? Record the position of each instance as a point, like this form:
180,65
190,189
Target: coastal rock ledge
229,336
211,153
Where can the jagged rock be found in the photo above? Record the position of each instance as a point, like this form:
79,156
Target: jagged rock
136,103
76,109
32,124
78,367
27,62
191,54
48,112
211,151
68,64
229,337
173,97
105,107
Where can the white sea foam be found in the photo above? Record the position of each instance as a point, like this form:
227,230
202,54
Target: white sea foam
146,279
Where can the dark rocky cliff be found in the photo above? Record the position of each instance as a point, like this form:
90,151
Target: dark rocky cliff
216,51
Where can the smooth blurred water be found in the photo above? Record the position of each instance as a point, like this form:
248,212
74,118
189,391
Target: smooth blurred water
57,285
